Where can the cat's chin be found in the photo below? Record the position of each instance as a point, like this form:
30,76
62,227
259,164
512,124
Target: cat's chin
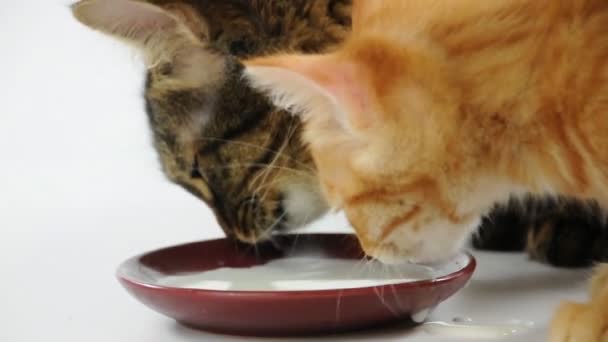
303,203
392,256
434,249
438,242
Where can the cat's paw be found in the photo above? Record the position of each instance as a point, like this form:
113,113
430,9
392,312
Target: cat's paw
578,322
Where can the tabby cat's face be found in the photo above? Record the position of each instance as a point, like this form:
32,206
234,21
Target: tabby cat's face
235,152
216,137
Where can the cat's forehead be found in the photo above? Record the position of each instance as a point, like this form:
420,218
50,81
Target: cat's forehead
228,123
178,108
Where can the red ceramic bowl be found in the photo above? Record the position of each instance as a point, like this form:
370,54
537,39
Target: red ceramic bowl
279,313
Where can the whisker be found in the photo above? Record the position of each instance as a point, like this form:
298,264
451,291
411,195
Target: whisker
268,230
258,147
240,165
276,244
384,303
256,192
277,155
273,162
338,304
295,242
379,290
394,272
266,187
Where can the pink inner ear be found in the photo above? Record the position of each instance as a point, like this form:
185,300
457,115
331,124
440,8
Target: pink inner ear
343,81
340,79
350,90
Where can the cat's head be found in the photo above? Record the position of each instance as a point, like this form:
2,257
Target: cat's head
215,136
381,123
249,28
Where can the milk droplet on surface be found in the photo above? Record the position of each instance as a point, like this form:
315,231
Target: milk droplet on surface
528,324
421,316
465,328
462,320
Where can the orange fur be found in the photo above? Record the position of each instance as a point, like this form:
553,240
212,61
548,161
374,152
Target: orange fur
465,102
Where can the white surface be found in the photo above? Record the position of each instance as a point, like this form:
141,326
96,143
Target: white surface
80,190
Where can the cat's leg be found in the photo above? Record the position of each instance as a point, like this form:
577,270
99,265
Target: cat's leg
505,227
585,322
563,232
568,232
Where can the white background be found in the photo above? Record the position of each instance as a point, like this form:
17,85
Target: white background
81,190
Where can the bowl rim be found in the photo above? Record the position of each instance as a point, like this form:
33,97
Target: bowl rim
123,276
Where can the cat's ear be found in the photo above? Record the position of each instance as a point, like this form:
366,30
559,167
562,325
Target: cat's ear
152,29
132,20
315,85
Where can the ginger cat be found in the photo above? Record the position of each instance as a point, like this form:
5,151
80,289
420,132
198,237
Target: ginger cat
434,110
244,157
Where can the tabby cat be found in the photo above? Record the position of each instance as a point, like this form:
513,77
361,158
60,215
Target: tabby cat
215,136
431,111
227,145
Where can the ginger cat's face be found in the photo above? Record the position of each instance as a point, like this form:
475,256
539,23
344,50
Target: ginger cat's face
395,220
383,122
366,133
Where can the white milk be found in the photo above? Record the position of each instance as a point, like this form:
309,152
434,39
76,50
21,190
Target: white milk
308,272
301,273
470,330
